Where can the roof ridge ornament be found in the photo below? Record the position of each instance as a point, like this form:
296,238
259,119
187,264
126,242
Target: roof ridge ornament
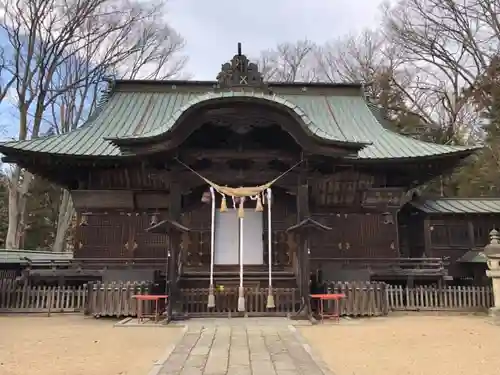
240,73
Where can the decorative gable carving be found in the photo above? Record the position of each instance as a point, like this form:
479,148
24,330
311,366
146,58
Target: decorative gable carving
240,72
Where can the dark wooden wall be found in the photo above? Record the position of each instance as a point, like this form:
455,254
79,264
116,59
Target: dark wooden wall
355,235
123,235
118,235
445,236
448,235
337,199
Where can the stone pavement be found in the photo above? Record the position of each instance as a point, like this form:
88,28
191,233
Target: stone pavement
241,347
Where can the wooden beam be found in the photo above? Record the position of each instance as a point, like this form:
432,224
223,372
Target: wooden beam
224,155
90,199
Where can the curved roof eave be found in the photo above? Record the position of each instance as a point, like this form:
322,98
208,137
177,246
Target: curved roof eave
173,122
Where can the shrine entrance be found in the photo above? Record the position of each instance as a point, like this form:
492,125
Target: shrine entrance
227,238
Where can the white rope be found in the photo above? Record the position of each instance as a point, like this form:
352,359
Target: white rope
211,296
270,298
241,251
269,236
241,297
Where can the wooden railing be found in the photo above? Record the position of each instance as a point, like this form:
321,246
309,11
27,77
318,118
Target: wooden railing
389,266
405,263
15,297
449,298
98,262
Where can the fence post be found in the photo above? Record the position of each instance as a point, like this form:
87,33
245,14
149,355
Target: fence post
88,291
50,300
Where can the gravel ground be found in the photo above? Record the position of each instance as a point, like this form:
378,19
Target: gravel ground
74,345
409,345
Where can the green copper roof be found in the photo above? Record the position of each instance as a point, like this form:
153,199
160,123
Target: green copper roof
459,206
23,256
131,113
473,256
310,125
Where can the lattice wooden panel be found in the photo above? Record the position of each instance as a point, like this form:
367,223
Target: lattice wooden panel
101,236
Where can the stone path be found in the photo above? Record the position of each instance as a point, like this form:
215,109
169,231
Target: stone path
241,348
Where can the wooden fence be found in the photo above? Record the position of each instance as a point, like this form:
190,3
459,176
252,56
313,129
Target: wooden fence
194,302
15,297
449,298
7,274
362,298
115,299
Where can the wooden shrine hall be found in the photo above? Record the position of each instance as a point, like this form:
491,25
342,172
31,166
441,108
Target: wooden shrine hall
237,182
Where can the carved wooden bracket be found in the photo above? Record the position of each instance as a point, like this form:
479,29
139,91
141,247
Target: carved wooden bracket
84,221
383,197
131,248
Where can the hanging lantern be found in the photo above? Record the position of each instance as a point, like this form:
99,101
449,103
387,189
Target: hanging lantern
154,219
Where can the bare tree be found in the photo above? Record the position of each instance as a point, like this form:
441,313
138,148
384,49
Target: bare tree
6,77
59,52
368,58
156,58
449,44
289,62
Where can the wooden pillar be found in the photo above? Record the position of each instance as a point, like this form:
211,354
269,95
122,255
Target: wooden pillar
303,212
427,238
175,209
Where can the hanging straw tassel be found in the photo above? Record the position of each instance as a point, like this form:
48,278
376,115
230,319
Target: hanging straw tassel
223,204
211,297
241,299
270,300
241,211
258,206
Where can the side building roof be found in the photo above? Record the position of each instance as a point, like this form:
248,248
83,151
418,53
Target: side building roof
458,206
138,109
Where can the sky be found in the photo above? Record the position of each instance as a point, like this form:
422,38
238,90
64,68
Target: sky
213,28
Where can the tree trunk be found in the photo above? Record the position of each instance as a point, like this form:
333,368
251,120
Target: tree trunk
18,194
63,221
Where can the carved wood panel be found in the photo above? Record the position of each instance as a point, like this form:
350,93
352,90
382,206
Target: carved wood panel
343,188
